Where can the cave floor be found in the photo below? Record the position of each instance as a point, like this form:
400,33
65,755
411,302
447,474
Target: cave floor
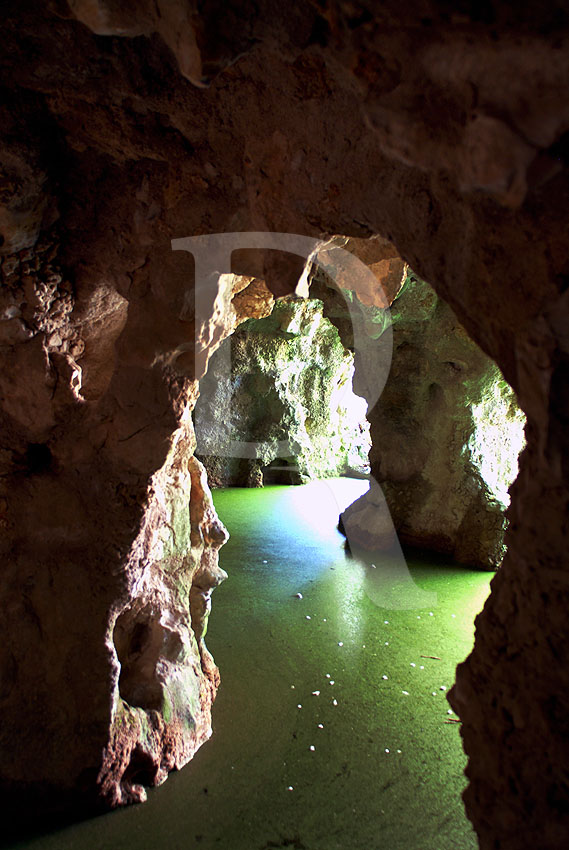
381,767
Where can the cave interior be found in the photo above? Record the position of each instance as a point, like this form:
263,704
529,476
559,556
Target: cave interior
404,166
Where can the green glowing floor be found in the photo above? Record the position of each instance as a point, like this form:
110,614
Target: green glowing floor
385,770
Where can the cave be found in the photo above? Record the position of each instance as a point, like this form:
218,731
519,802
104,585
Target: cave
270,136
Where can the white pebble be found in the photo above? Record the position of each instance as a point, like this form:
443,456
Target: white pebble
406,693
453,616
384,677
324,620
327,675
298,595
431,614
386,750
321,726
265,562
290,788
373,565
292,686
331,682
422,667
299,705
308,617
386,622
434,693
312,748
334,702
315,693
413,664
399,751
450,711
418,617
340,643
443,688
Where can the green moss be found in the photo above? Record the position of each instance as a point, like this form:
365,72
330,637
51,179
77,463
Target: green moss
284,387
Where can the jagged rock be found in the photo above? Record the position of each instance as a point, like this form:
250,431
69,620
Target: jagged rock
274,403
446,434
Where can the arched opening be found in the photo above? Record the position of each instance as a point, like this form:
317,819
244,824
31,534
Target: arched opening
312,609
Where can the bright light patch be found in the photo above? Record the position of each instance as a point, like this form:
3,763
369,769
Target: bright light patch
348,416
498,438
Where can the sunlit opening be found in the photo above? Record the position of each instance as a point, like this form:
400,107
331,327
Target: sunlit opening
498,438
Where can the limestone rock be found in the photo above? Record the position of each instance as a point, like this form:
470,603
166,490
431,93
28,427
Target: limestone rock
446,434
274,403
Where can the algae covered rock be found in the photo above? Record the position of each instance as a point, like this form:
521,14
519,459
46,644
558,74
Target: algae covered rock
446,436
276,404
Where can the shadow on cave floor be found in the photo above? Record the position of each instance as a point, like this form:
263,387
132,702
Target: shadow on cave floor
387,766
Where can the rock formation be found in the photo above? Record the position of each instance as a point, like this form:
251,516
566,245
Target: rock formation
442,470
272,405
442,126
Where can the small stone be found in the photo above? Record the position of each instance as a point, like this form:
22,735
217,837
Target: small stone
453,616
450,711
422,667
413,664
321,726
443,688
312,748
334,702
406,693
399,751
292,686
299,705
290,788
387,643
384,677
431,614
298,595
340,643
327,675
418,617
434,693
373,565
265,562
386,622
386,750
331,682
315,693
308,617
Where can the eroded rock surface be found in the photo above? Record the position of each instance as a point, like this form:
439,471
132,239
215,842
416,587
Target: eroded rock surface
274,403
442,469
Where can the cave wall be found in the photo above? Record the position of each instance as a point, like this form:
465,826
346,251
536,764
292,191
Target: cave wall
442,126
272,405
441,470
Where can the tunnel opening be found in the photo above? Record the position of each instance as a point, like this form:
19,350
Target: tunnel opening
277,403
277,406
448,400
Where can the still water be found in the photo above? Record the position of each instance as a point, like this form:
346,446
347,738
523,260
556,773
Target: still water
331,727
